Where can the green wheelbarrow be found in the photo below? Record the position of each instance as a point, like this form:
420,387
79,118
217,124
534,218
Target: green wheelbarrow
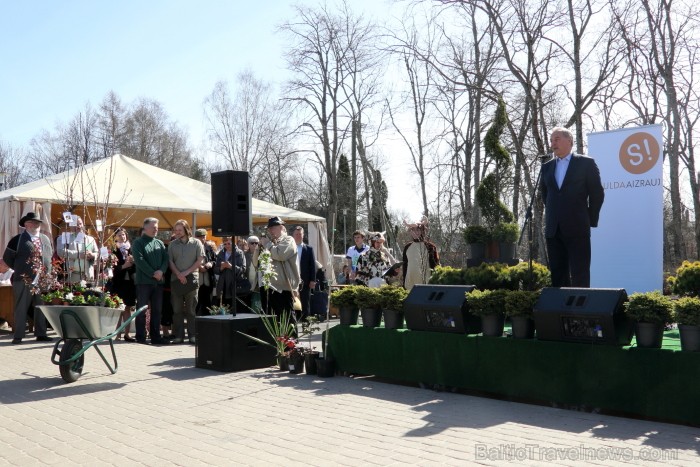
82,327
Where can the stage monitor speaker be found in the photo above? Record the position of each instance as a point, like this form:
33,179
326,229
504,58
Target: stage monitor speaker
220,346
440,308
582,315
231,203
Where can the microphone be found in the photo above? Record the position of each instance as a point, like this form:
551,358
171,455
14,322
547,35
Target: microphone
546,157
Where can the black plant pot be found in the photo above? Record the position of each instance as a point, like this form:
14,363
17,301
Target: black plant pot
492,325
371,317
506,252
477,251
649,335
348,315
296,363
283,362
325,367
690,337
523,327
393,319
310,362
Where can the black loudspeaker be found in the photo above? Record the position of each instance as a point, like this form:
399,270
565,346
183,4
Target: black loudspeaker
441,308
583,315
220,346
231,203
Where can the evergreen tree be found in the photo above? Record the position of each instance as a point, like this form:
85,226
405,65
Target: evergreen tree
346,191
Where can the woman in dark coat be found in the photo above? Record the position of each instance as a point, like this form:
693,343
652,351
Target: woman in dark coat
230,266
123,277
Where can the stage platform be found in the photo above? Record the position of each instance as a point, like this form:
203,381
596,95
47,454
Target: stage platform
660,384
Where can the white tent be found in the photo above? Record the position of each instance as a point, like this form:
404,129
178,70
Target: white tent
129,191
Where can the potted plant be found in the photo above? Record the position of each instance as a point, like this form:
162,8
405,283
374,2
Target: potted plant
344,300
506,234
477,236
519,305
686,282
325,366
391,300
490,306
367,300
651,312
281,330
308,327
686,312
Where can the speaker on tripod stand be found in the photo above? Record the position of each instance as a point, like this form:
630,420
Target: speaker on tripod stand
231,203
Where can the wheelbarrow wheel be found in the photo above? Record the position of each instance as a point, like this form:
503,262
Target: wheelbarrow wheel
70,372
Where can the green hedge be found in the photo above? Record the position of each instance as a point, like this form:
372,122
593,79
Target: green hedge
493,276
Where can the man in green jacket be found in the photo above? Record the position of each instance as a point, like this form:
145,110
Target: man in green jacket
151,259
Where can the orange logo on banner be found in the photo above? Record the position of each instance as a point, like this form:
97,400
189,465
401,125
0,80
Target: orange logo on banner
639,153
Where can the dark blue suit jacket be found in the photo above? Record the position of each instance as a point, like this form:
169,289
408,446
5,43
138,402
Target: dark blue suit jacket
574,208
307,264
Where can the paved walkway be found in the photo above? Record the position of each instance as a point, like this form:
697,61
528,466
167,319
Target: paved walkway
161,410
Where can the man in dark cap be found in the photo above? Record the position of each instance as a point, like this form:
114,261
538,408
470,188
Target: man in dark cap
29,254
279,296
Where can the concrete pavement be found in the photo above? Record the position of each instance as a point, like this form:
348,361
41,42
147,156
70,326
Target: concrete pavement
159,410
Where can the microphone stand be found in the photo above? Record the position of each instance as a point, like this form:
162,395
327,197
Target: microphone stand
528,223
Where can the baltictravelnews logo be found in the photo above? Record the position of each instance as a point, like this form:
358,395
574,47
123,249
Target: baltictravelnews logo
639,153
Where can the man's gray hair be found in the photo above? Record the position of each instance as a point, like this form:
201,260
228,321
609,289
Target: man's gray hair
150,220
564,131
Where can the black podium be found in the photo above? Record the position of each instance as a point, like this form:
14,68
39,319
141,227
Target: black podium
221,347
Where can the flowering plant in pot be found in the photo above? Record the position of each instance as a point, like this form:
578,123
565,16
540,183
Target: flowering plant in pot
367,300
391,300
519,305
490,305
686,312
651,312
344,300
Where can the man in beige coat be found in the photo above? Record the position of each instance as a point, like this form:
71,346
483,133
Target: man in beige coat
279,296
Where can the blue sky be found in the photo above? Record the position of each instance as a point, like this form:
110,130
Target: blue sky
58,55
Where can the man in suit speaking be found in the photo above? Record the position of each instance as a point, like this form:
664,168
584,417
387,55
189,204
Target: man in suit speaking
573,195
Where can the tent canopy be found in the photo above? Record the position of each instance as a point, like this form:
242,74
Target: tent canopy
133,190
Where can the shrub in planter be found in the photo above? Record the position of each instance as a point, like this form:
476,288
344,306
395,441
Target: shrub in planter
686,312
391,300
344,297
506,232
476,234
649,307
367,297
519,305
651,311
687,279
490,305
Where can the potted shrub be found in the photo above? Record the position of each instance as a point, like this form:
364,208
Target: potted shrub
489,305
519,277
519,305
367,300
651,312
391,301
506,234
477,236
687,279
686,312
344,300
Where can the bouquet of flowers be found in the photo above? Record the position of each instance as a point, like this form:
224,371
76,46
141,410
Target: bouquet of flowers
265,269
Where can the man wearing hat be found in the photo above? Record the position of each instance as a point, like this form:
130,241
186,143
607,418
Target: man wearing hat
283,253
28,253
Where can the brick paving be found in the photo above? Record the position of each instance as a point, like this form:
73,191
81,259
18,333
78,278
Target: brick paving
160,410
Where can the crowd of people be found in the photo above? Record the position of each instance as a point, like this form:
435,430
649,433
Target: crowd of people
179,278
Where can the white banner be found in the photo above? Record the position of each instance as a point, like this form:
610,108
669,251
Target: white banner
627,245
